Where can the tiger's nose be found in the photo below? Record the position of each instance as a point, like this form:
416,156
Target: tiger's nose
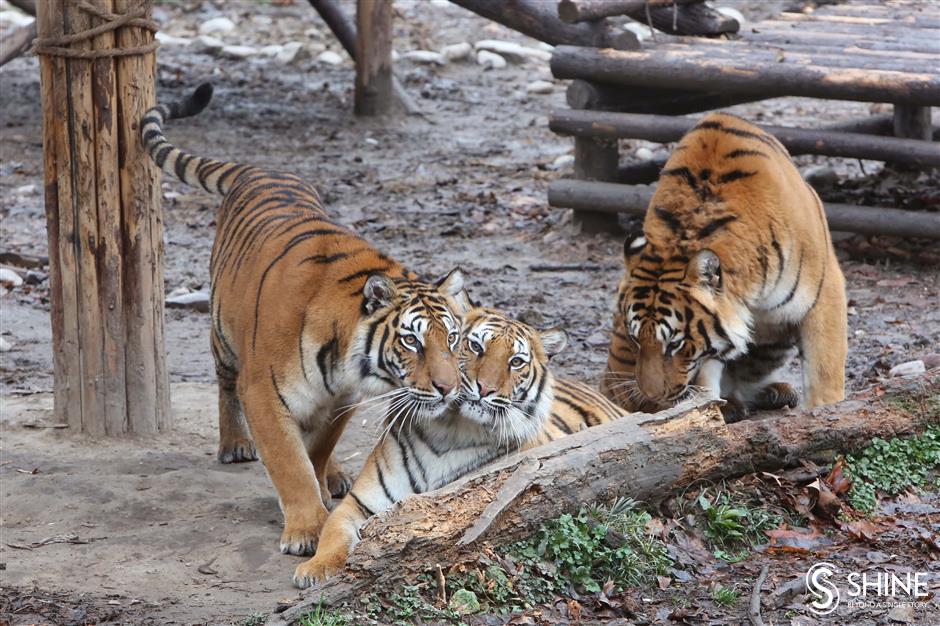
442,388
485,389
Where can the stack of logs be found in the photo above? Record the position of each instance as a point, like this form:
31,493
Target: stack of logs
636,94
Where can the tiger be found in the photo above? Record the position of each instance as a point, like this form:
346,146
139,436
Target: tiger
734,272
306,318
509,401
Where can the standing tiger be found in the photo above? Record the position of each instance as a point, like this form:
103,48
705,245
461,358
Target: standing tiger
734,270
307,318
509,400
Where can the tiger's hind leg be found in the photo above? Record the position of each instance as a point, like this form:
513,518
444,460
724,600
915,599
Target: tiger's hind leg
334,482
824,342
235,442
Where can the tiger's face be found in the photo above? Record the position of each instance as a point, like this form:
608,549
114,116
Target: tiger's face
505,380
675,319
410,343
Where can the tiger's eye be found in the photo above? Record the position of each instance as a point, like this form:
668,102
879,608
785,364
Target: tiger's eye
474,346
409,340
516,362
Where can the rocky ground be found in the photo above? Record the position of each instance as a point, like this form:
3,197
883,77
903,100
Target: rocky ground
464,184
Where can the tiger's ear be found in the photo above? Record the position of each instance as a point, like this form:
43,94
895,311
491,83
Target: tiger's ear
705,269
632,247
553,340
452,286
379,291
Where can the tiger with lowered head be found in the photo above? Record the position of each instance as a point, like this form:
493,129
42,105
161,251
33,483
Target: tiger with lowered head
509,400
307,318
735,272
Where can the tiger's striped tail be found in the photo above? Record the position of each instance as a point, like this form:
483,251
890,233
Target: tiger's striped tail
213,176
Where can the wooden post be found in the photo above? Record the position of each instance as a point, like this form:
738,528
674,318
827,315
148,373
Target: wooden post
103,218
912,122
373,57
597,160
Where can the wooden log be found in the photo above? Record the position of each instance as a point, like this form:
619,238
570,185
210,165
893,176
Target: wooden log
89,142
869,220
17,43
511,498
595,159
148,407
345,32
536,20
697,19
663,69
574,11
665,129
784,37
582,94
373,95
912,122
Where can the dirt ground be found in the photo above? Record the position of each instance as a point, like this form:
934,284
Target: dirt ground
156,531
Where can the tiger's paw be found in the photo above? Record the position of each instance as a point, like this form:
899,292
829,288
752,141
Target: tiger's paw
733,410
302,530
319,568
338,482
777,396
237,451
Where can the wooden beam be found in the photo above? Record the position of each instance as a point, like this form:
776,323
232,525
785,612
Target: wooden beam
17,43
537,20
583,94
869,220
373,94
665,129
672,71
109,363
574,11
912,122
595,159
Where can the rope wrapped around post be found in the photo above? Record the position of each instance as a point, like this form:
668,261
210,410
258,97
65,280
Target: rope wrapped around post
58,46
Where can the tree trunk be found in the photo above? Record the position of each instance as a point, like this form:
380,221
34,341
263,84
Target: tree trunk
373,57
104,225
671,450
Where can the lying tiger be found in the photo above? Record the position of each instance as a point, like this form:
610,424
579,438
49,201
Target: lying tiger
735,270
307,317
509,400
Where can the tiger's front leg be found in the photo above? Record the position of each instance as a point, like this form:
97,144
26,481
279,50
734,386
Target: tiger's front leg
340,534
279,439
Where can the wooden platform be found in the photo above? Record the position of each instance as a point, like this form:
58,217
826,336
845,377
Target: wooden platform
859,51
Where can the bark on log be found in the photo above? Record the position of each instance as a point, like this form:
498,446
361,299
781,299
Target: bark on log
104,226
664,129
666,70
596,159
574,11
696,19
582,195
509,499
582,94
538,21
373,57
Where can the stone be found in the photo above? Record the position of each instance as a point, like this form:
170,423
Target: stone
424,56
540,87
490,60
910,368
15,18
464,602
641,31
170,41
9,278
513,51
179,291
329,57
821,176
732,13
563,162
25,190
5,346
238,52
207,44
270,51
196,300
292,51
216,25
644,153
932,360
457,51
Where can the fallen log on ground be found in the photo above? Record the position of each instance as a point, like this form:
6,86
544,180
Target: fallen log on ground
644,457
675,17
538,21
